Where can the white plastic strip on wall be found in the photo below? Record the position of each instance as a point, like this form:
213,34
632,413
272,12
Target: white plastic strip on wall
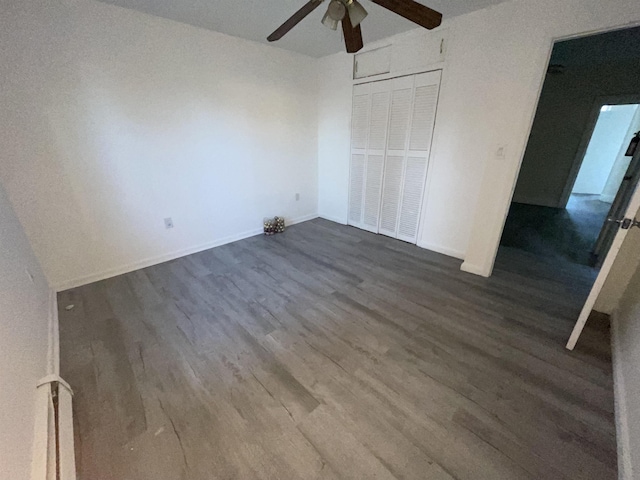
44,435
67,460
53,449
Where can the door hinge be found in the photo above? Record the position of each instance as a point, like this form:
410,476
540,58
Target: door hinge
625,223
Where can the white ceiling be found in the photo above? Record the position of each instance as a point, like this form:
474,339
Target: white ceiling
256,19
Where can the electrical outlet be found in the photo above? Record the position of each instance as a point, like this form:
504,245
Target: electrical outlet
168,223
297,197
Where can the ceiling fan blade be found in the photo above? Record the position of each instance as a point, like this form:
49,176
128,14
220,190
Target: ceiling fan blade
414,11
352,35
296,18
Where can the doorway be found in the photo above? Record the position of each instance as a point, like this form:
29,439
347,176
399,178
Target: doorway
575,230
576,172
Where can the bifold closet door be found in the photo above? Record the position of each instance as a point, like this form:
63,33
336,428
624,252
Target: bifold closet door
391,128
400,114
423,117
361,106
368,142
413,110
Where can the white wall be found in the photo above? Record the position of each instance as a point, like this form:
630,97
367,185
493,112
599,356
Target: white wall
501,62
621,163
626,365
113,120
608,136
495,63
334,127
24,314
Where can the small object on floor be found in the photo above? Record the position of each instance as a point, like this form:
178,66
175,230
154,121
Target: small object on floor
279,221
69,307
273,225
269,226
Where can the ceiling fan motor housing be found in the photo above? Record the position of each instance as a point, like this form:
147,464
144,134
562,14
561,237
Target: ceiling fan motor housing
336,10
350,13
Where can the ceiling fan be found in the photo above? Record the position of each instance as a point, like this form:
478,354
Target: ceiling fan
350,13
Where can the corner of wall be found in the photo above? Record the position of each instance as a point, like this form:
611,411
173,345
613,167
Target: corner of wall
450,252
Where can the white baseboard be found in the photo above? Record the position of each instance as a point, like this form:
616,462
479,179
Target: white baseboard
450,252
475,269
331,218
620,399
148,262
304,218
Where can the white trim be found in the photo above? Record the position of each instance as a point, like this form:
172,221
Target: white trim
625,471
66,448
148,262
450,252
404,73
475,269
54,378
43,436
331,218
304,218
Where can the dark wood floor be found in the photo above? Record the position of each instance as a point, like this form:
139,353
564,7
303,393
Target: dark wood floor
328,352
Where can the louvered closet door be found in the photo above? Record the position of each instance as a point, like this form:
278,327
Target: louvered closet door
423,116
399,123
391,129
374,163
359,137
369,124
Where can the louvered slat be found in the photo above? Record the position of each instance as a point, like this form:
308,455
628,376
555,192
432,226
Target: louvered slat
424,112
414,178
391,195
360,121
373,186
378,121
356,186
361,106
423,116
399,120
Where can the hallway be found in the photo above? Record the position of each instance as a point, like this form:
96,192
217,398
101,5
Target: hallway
563,235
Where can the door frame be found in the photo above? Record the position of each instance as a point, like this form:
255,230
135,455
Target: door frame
486,261
599,102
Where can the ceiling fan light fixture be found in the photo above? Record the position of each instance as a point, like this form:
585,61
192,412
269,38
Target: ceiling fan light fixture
335,13
357,13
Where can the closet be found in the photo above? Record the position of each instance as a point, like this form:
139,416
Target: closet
391,128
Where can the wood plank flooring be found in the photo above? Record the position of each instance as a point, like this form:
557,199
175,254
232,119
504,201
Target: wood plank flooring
328,352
